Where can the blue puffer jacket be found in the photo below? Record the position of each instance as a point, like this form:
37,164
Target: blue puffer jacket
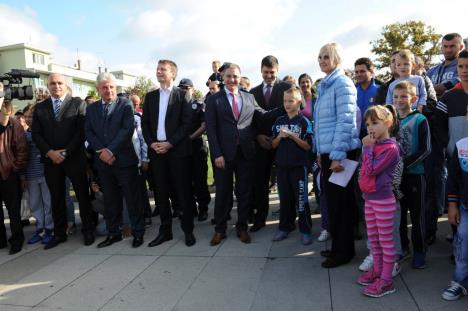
335,116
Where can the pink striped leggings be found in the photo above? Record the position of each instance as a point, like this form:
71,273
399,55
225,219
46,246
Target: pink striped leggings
379,221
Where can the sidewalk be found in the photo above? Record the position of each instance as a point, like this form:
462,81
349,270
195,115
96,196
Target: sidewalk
231,276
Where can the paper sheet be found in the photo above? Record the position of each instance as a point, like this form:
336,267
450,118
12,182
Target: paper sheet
342,178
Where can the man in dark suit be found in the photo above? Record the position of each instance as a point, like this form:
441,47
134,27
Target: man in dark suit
109,128
57,130
269,95
230,122
166,125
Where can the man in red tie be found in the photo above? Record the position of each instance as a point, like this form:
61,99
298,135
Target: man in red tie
231,116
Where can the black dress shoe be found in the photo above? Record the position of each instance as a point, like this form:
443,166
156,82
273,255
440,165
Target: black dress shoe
161,238
332,262
137,241
326,253
257,227
15,249
88,238
110,240
202,216
190,239
155,212
55,241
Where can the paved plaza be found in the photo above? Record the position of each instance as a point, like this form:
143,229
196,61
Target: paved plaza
232,276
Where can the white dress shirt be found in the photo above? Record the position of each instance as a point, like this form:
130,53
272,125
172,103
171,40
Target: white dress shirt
164,95
238,98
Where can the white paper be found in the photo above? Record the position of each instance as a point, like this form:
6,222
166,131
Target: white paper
342,178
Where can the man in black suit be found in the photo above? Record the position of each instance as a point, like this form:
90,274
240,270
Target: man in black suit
166,125
269,95
109,128
57,130
230,122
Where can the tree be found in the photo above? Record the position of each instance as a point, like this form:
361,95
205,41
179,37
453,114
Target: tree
93,93
142,86
416,36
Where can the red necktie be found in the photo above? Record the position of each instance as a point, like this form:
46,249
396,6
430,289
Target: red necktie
235,107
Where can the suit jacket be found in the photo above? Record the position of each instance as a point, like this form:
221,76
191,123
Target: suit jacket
113,131
276,102
224,132
178,122
65,132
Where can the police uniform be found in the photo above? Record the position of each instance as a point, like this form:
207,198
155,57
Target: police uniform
292,164
201,195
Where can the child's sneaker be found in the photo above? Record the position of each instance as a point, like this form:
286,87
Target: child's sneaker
367,278
396,269
48,236
280,235
324,235
367,264
379,288
454,291
306,239
419,260
36,238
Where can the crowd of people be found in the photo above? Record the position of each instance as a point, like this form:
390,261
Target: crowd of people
405,134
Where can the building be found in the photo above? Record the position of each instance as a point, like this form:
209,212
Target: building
23,56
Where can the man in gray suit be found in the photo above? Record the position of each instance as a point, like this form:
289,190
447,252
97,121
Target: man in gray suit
230,116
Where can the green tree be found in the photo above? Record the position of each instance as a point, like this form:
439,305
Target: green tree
142,86
93,93
416,36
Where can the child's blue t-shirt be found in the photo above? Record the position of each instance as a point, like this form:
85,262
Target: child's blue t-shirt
418,81
288,152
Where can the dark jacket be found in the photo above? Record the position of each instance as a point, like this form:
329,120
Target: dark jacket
178,122
13,148
458,173
112,131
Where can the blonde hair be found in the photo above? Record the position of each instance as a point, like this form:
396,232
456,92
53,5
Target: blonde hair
382,113
407,55
406,86
295,92
334,52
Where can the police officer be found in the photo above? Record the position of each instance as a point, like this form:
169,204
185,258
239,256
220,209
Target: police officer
201,195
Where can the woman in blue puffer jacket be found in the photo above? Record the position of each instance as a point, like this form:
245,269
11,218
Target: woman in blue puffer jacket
336,138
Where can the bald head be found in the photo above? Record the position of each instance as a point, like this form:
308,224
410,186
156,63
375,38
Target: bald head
135,101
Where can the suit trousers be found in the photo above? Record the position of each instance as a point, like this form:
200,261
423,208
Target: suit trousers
9,192
241,167
262,171
173,172
342,208
75,169
115,182
201,195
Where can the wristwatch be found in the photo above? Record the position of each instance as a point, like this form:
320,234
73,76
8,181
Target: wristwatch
63,153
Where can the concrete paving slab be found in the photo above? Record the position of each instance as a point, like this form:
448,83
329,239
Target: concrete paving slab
100,284
203,233
427,285
38,286
226,283
347,294
161,286
293,284
15,308
232,246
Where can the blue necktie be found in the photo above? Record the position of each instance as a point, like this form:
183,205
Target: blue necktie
105,109
57,104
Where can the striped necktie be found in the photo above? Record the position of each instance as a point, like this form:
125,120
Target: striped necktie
57,105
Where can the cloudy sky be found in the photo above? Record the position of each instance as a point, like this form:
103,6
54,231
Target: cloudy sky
133,35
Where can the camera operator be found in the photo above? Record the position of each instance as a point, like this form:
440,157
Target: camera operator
13,158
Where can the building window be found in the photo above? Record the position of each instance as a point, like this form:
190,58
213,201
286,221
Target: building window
39,82
38,58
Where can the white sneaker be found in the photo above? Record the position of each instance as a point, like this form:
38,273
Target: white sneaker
367,264
324,235
396,269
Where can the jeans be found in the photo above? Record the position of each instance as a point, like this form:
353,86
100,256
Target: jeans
69,202
39,202
460,249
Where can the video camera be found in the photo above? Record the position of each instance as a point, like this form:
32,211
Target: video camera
15,76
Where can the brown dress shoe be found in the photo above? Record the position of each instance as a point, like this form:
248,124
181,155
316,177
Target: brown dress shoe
244,237
217,238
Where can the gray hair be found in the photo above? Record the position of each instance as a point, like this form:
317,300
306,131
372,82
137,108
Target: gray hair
104,76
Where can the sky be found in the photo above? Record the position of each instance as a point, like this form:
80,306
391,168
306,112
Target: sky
133,35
